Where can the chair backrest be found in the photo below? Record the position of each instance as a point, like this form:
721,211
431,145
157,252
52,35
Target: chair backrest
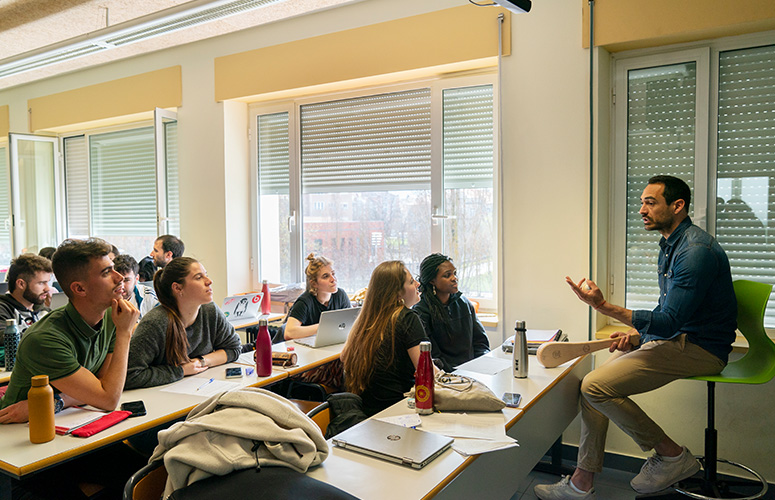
752,298
148,483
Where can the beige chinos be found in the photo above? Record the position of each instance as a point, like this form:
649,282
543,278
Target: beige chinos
605,393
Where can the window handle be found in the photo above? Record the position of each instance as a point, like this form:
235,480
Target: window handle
292,221
436,216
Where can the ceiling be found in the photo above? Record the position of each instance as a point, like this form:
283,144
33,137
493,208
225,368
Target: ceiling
33,25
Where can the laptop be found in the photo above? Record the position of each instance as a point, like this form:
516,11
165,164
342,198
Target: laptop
401,445
333,328
240,307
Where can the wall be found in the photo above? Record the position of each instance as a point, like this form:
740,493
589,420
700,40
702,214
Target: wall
546,181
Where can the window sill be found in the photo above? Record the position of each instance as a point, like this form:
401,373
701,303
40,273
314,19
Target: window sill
489,320
739,345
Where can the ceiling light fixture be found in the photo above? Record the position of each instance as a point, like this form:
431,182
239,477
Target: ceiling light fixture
177,18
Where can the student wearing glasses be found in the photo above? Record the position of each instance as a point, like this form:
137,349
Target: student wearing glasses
449,318
186,335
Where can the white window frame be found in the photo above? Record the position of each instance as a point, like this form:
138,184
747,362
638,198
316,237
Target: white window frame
293,108
706,55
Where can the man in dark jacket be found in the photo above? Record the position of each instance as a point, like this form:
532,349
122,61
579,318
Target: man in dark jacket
29,289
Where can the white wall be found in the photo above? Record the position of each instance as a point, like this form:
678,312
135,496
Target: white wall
546,181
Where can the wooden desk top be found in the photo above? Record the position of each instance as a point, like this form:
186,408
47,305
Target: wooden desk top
19,457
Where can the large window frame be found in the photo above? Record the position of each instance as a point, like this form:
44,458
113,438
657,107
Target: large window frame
706,57
438,217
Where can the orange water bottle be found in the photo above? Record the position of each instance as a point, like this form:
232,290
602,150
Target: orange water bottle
40,400
263,354
423,381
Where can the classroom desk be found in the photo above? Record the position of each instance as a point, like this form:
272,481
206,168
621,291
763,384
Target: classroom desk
19,457
549,405
241,324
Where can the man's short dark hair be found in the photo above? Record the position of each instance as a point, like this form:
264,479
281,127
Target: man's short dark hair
26,266
675,189
72,258
172,244
125,264
47,252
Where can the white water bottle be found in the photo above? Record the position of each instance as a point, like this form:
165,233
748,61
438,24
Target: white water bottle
519,360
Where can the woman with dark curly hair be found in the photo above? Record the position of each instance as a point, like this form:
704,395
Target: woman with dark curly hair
449,318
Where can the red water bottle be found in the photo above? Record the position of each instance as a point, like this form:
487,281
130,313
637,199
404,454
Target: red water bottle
424,380
263,355
266,301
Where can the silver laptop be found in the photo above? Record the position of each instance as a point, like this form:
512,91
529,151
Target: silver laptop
240,307
333,328
393,443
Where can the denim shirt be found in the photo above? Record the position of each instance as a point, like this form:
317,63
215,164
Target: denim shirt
696,296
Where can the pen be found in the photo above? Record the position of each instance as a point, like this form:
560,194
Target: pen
206,384
249,371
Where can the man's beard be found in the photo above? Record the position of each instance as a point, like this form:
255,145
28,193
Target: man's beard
31,297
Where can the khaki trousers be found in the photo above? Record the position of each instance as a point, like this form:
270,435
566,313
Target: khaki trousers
605,391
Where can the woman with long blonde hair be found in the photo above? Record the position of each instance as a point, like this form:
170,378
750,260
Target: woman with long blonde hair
383,348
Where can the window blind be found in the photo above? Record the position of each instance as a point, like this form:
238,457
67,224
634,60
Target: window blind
373,143
5,210
745,203
173,189
77,186
273,157
468,137
123,183
660,140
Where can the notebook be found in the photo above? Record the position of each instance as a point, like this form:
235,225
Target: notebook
333,328
239,307
393,443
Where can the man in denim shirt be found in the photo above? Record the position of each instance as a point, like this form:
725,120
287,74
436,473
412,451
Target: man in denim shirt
689,333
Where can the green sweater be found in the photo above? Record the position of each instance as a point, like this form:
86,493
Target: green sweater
58,345
148,365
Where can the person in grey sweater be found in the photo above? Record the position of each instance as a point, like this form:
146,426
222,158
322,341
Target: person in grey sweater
186,335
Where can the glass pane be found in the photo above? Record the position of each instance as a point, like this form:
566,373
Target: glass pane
5,212
173,190
37,215
469,233
660,140
274,202
359,230
77,186
123,189
745,202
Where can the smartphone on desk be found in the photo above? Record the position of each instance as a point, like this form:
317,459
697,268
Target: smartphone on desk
512,399
136,407
233,372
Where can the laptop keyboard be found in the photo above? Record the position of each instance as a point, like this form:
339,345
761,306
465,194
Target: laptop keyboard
307,341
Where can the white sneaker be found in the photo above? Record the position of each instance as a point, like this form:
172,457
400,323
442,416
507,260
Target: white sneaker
657,473
562,491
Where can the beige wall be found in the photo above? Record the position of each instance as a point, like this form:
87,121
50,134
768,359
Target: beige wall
546,181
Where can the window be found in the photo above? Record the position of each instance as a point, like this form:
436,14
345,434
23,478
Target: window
380,176
5,210
724,152
111,184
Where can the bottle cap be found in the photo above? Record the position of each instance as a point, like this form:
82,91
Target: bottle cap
262,322
520,325
39,380
265,282
10,322
425,346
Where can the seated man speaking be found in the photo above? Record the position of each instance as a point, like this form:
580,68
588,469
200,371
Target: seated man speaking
690,332
83,346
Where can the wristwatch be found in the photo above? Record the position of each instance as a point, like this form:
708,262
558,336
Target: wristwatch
202,360
59,403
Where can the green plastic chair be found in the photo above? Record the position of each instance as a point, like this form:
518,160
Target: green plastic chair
756,367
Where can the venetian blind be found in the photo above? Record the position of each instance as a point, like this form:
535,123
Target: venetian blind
173,189
123,183
745,208
273,157
660,140
5,210
77,186
372,143
468,137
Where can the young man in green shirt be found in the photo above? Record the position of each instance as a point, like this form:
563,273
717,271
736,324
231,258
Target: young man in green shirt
83,346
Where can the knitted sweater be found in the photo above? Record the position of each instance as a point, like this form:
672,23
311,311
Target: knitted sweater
148,365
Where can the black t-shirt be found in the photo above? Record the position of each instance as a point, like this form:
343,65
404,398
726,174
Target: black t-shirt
307,309
389,381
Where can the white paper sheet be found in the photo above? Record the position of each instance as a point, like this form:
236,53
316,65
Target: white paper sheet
468,447
489,365
490,426
409,420
201,386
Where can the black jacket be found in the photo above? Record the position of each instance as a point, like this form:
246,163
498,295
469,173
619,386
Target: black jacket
9,306
463,339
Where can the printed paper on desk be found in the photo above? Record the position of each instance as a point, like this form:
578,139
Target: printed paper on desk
74,417
201,387
489,365
468,447
489,426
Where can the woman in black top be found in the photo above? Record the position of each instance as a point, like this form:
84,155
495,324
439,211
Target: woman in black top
449,319
322,294
383,348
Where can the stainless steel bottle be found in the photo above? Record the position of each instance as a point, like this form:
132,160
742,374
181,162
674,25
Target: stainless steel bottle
519,363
